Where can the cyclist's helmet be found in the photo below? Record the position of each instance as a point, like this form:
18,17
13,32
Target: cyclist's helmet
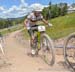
37,8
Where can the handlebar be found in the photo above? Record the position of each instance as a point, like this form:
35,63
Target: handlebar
36,27
33,28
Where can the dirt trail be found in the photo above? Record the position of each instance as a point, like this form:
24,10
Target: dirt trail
18,61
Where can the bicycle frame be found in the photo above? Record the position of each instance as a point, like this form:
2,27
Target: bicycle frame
43,43
38,34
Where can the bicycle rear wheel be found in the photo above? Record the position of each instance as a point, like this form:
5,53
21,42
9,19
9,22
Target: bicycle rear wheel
69,51
47,48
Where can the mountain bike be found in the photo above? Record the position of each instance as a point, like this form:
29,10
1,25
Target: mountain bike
1,45
69,51
43,43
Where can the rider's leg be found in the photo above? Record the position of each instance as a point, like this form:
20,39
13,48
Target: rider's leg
32,40
31,33
31,37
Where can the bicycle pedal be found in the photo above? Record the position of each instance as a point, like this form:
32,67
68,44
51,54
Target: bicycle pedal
30,54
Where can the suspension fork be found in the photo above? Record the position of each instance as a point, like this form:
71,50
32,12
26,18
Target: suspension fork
41,35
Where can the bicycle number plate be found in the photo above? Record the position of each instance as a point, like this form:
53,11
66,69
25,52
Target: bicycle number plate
41,28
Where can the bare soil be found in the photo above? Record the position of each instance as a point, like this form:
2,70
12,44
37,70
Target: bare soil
17,60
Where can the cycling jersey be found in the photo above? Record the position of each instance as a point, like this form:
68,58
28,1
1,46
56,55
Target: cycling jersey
32,19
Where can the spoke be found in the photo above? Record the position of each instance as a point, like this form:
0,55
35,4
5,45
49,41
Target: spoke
70,51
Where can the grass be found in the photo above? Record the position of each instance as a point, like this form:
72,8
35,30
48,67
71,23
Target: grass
25,33
62,26
11,29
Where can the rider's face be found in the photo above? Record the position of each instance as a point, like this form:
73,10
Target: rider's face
37,13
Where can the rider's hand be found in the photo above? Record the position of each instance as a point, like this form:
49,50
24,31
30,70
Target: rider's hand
28,28
50,25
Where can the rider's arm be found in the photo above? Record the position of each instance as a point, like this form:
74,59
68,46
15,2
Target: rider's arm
46,22
25,22
43,20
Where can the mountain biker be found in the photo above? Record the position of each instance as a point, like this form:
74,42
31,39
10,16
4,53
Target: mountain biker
31,21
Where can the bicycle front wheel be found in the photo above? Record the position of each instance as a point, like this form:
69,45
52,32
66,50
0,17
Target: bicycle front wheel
69,51
47,48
